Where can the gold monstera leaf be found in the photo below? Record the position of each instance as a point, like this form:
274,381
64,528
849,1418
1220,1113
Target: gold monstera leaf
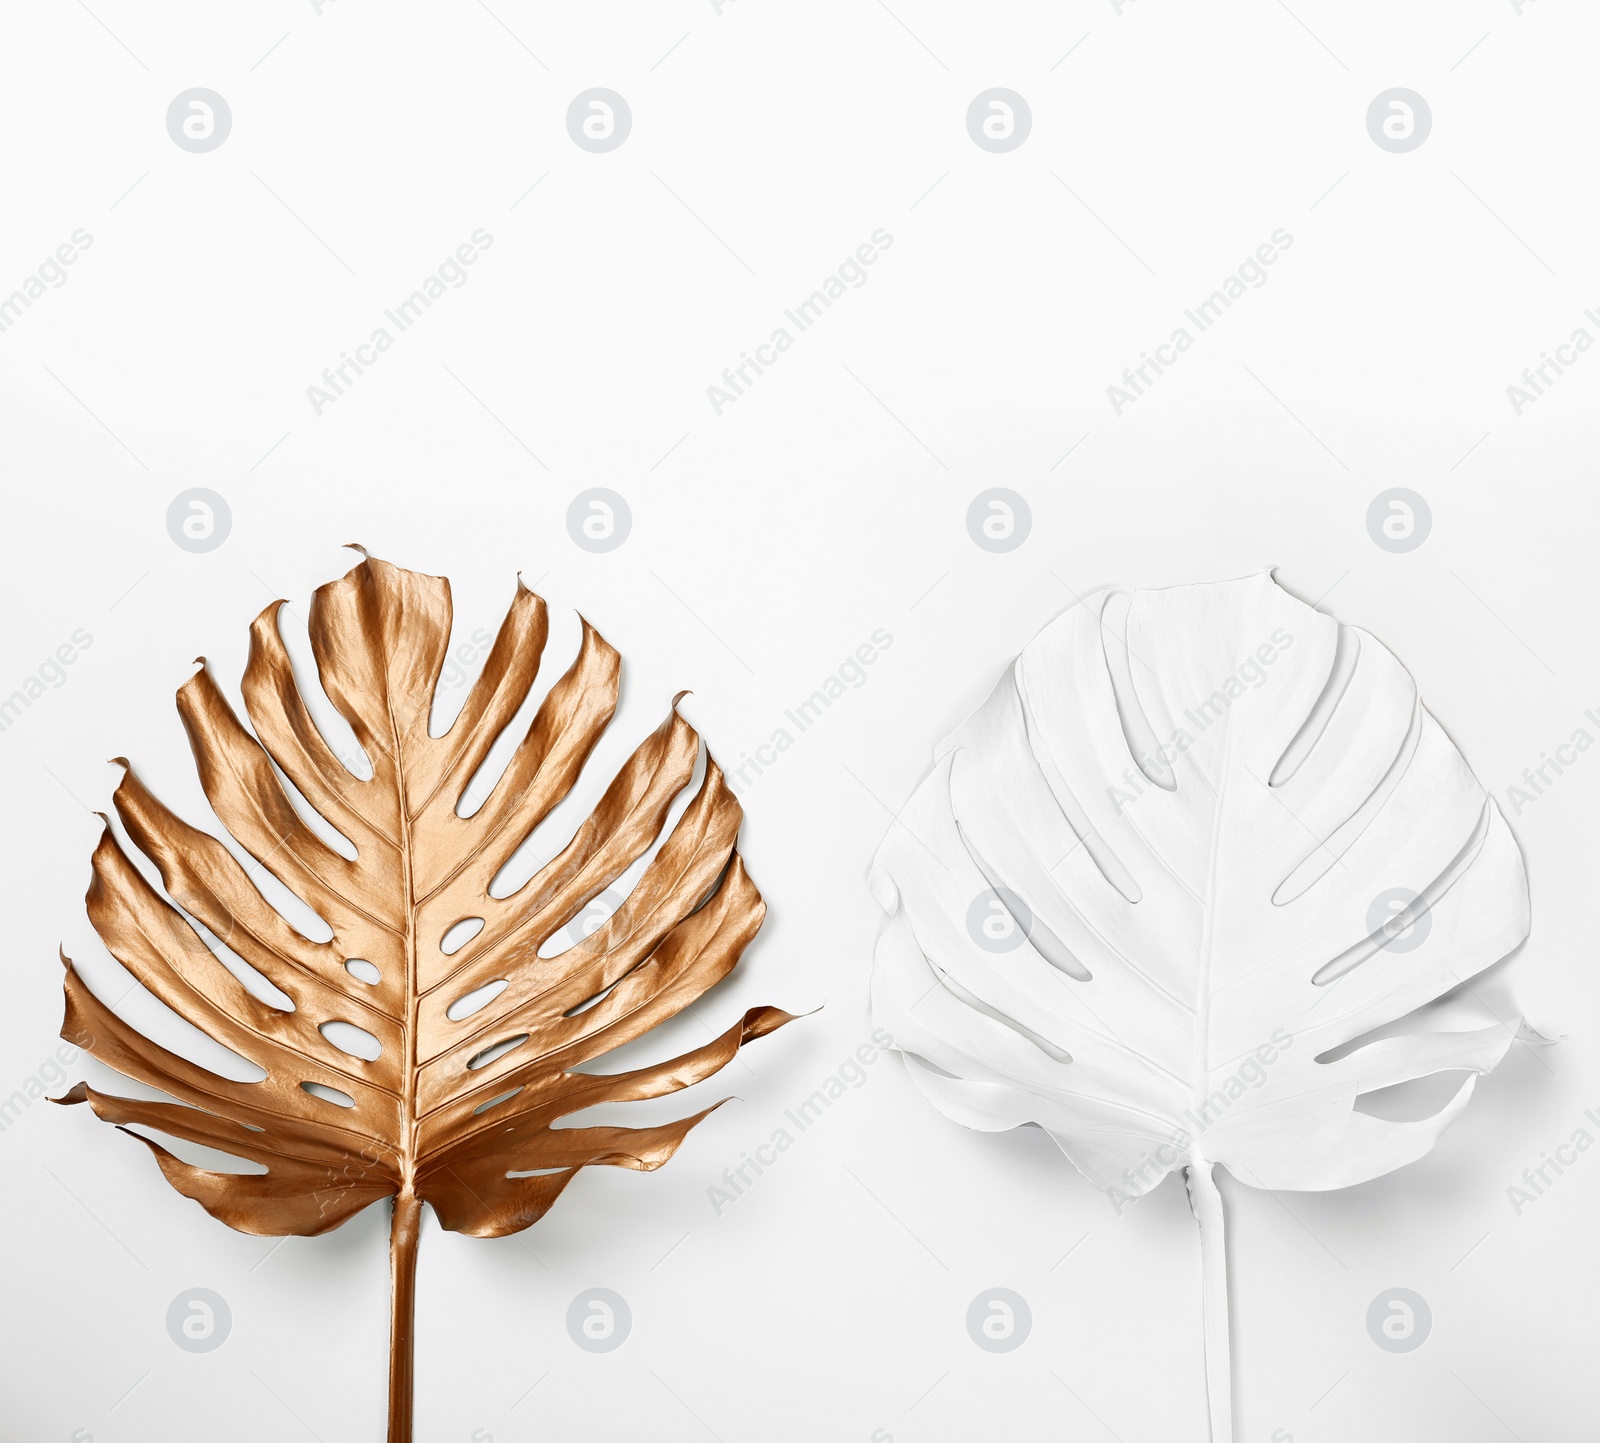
459,1113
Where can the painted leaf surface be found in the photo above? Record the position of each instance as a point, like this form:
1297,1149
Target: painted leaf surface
427,1116
1150,886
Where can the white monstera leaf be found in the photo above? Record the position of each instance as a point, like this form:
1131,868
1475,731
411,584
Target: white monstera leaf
1195,842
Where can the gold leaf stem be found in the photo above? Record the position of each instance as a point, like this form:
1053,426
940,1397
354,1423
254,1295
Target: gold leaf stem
404,1234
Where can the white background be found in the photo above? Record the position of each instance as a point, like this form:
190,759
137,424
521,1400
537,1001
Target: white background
767,544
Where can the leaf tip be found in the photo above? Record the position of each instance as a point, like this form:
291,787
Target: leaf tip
1525,1031
357,546
758,1022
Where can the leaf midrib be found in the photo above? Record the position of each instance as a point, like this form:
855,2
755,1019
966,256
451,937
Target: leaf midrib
1202,1018
409,1071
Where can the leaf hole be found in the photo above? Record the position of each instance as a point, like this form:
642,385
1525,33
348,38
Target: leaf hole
191,933
1050,1050
1414,1100
148,1014
1100,851
495,1051
324,830
1143,745
565,638
325,716
1458,1010
597,999
1326,853
1347,648
352,1040
460,934
483,1107
1026,920
462,664
363,971
328,1094
303,919
594,915
1379,940
476,1000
